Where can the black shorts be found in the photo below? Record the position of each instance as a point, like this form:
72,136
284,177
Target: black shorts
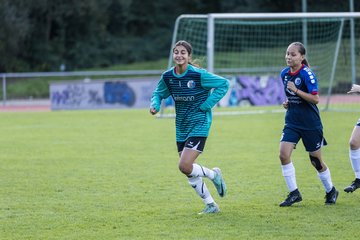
358,123
194,143
313,140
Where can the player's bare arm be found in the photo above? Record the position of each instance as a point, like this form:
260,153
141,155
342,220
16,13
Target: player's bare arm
306,96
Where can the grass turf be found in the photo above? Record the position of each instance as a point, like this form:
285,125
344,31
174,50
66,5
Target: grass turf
113,174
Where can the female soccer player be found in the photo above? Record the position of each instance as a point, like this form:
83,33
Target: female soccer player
190,87
302,120
354,151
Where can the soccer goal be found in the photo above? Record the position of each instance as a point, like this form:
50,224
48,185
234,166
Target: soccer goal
249,49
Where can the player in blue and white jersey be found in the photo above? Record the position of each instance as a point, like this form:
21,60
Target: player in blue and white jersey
195,91
354,150
302,121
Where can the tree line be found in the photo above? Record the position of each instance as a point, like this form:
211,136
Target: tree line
47,35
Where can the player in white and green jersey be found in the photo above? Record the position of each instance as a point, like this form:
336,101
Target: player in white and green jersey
195,91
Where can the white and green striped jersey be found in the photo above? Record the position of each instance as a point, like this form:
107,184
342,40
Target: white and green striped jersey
193,97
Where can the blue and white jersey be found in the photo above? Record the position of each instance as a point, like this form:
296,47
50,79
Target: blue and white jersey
193,99
301,114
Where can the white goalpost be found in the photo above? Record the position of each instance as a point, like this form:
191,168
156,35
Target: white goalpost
249,49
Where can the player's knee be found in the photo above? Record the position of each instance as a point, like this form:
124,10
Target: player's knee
185,168
316,162
284,158
354,144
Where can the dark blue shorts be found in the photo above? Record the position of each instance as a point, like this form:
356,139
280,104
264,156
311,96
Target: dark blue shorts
358,123
195,143
313,140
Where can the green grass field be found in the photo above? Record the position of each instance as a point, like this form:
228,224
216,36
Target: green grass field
112,174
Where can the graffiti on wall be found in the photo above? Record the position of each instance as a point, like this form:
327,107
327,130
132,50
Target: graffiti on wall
113,93
256,91
75,95
116,93
119,92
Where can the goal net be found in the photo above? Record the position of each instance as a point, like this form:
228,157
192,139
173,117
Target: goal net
249,49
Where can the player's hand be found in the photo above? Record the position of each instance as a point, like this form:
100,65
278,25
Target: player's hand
286,104
153,111
291,86
354,89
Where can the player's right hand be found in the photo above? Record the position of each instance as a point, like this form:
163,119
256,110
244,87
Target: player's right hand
285,104
153,111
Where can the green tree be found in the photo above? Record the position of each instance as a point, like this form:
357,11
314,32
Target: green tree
15,29
40,35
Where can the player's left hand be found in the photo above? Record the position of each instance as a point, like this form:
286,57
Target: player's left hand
354,89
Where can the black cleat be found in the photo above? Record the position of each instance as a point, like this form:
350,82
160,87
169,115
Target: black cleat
292,198
354,185
331,196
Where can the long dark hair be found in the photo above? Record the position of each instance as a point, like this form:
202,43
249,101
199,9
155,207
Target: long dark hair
302,51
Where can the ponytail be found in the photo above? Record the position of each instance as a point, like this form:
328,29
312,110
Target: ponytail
305,62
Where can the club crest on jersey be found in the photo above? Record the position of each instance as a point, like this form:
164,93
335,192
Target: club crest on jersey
297,81
191,84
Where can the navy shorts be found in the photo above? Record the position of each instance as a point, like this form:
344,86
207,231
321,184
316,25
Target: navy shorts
313,140
194,143
358,123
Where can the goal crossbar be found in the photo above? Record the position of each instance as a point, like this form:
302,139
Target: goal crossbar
285,15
